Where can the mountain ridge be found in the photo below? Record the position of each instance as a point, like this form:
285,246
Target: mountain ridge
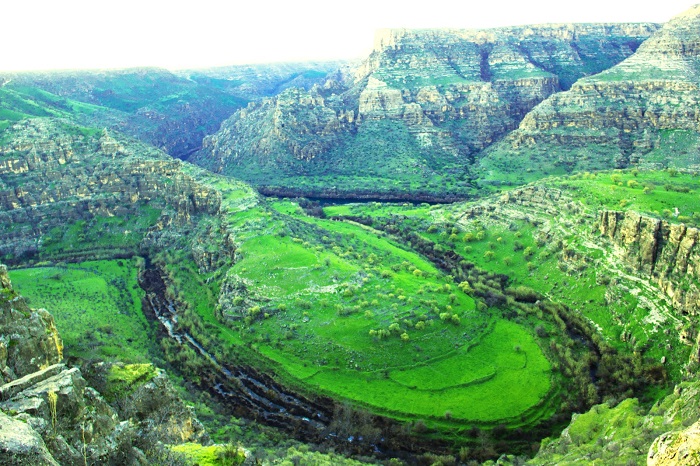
441,96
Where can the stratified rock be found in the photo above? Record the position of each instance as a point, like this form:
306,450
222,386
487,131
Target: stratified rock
52,175
643,111
668,253
423,99
21,445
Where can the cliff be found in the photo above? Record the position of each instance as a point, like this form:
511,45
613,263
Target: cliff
416,111
668,253
29,340
642,270
53,173
643,111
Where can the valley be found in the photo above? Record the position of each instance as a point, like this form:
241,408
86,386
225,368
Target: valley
473,246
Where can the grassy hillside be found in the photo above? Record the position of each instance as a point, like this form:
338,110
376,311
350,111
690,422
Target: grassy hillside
553,249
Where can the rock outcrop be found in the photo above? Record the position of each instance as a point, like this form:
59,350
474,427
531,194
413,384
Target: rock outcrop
52,174
20,444
437,97
668,253
29,340
630,434
677,448
643,111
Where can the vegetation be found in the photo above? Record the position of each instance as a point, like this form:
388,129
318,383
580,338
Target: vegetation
482,325
124,378
214,455
97,307
340,309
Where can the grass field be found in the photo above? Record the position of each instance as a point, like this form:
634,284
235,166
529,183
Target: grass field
97,307
342,309
525,251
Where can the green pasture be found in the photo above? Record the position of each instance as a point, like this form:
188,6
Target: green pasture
343,309
96,305
569,272
499,379
666,194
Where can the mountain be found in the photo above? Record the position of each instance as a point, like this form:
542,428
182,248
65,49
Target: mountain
563,311
172,111
415,114
642,112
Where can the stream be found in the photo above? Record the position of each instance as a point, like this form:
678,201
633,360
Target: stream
250,393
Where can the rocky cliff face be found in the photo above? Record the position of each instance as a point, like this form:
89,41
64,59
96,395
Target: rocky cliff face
29,340
668,253
52,173
643,111
452,92
677,448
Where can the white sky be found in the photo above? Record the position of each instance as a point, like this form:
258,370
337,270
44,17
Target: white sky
64,34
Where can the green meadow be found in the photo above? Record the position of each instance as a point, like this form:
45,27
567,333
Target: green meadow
342,309
96,305
337,307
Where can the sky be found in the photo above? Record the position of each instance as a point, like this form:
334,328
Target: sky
92,34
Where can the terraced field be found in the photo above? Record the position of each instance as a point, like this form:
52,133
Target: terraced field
345,310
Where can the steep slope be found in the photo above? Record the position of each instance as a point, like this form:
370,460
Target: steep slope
414,114
643,112
629,434
54,173
170,111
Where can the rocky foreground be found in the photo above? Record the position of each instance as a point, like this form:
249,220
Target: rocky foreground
50,415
